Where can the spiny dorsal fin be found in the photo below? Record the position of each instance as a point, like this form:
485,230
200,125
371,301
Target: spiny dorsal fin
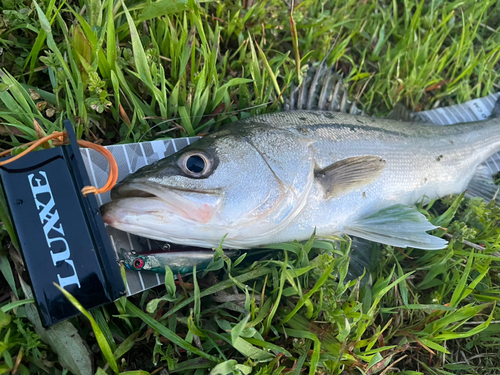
398,225
349,174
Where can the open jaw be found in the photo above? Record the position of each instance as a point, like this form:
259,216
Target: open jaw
139,207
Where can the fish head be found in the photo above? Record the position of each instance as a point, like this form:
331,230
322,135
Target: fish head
233,183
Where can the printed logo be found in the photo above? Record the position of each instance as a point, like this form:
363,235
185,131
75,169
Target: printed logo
52,228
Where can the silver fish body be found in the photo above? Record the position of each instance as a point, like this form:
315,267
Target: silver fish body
278,177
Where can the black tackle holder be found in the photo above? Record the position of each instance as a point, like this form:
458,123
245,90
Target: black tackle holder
61,233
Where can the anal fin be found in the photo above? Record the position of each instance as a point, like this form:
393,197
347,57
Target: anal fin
399,226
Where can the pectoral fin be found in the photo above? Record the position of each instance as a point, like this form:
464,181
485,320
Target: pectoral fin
349,174
399,226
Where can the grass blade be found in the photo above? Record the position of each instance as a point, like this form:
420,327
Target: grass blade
459,289
140,59
135,311
186,121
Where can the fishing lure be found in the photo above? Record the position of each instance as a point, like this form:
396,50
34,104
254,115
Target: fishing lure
181,262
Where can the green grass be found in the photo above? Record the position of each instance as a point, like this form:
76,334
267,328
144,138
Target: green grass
136,71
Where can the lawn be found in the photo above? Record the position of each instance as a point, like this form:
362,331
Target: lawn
128,71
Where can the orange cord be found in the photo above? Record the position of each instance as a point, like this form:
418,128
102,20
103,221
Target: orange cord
113,169
61,138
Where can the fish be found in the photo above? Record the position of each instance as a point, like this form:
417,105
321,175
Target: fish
182,262
281,177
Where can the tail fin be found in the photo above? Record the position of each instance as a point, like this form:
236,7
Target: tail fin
486,180
483,182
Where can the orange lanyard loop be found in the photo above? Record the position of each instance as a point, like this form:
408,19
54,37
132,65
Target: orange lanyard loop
61,138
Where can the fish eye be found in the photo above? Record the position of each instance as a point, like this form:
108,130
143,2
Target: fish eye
138,263
196,164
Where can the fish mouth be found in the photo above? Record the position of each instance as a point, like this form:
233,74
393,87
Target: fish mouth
136,190
121,192
147,205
